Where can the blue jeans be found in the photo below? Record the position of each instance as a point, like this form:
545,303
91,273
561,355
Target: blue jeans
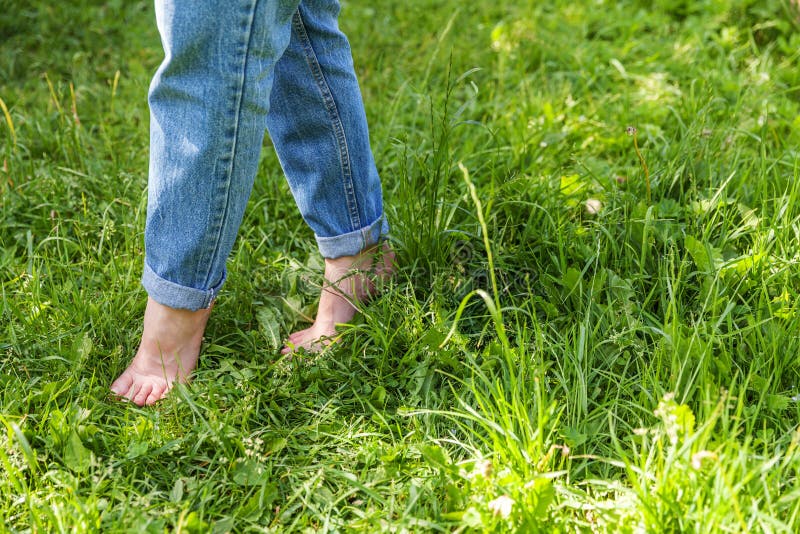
234,69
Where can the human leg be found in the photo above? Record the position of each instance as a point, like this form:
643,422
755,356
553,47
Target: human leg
209,100
319,128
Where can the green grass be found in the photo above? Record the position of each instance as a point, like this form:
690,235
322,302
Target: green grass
633,369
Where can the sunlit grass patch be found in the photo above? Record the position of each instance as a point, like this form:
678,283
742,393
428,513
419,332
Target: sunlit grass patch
592,328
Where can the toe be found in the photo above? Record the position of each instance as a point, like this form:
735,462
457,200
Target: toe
122,385
156,395
132,391
142,395
295,340
294,337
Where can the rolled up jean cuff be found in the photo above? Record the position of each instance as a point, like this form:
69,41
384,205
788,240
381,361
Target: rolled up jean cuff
178,296
353,243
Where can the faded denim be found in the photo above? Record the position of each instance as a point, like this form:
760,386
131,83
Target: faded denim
233,69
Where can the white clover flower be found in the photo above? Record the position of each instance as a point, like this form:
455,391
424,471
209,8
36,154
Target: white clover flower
501,506
698,457
593,206
483,468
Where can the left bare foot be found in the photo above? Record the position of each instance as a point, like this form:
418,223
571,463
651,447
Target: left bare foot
167,354
348,282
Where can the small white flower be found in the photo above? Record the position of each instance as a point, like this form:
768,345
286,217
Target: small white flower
593,206
483,468
501,506
698,457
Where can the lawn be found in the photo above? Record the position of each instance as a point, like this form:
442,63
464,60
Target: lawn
595,325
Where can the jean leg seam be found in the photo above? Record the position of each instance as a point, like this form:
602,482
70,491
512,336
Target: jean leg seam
333,116
229,161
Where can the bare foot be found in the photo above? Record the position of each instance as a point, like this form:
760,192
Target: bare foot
348,282
168,353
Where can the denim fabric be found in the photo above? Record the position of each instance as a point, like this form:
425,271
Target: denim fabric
233,69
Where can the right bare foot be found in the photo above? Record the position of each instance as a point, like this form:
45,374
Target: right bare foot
168,353
349,281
